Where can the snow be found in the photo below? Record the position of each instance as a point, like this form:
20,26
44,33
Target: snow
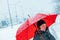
8,33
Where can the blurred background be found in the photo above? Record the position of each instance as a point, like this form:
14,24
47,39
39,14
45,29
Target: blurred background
13,12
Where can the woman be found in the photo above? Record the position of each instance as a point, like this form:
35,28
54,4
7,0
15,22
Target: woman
43,32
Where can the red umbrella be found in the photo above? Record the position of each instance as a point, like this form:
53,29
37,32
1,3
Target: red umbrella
27,29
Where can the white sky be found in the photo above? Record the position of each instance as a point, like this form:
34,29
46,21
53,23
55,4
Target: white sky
25,7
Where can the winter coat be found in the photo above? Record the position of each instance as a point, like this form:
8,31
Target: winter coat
44,35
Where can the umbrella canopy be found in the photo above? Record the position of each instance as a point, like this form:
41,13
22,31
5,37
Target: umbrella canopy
27,29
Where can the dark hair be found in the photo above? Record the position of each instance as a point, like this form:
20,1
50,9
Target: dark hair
40,22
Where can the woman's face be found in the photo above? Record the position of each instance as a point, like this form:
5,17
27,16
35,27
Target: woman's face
43,27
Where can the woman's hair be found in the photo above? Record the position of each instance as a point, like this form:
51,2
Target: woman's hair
40,22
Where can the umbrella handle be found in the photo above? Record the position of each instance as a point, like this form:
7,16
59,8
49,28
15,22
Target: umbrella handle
40,35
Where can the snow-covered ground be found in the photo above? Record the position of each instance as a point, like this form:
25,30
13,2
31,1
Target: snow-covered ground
10,33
